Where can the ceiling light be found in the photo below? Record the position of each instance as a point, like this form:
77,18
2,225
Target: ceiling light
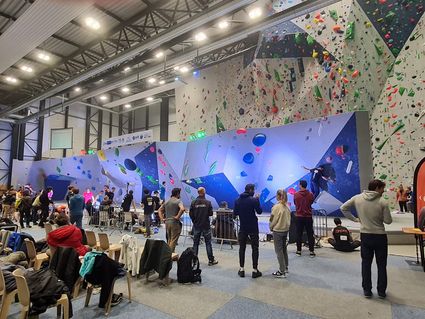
151,80
176,68
223,24
255,13
184,69
44,56
92,23
161,82
176,78
127,106
200,36
103,97
27,69
159,54
127,68
125,89
149,99
77,89
11,79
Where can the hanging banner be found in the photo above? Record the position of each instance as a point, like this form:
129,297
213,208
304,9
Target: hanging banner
127,139
419,189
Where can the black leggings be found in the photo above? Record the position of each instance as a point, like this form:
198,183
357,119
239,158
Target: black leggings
255,243
403,205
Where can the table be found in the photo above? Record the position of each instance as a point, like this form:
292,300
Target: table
419,237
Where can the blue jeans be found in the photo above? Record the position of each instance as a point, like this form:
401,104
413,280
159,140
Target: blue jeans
207,236
78,220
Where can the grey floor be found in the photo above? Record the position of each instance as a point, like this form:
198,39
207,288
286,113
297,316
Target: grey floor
328,286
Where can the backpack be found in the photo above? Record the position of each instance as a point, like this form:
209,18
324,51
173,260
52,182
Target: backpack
188,267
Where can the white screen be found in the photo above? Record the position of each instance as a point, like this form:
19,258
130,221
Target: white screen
61,138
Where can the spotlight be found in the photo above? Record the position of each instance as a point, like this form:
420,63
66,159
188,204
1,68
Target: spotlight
159,54
176,78
151,80
77,89
200,36
125,89
27,69
92,23
223,24
127,68
103,97
127,106
184,69
44,56
196,73
11,79
149,99
161,82
255,13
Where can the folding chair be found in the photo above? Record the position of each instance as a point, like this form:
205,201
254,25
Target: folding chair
24,297
35,260
111,249
7,298
128,219
48,228
91,239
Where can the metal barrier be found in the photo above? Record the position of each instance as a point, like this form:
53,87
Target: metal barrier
320,225
224,229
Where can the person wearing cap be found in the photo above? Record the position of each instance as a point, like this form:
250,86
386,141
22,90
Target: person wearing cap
342,239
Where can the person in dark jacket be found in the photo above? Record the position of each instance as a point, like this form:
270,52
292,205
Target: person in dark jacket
200,212
246,206
303,199
24,209
76,208
342,239
149,204
69,194
44,205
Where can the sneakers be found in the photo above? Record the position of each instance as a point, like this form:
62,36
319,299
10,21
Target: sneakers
241,273
312,254
212,262
298,253
256,274
382,295
279,274
367,293
116,299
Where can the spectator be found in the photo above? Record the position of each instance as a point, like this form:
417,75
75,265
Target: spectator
162,192
45,202
342,239
303,199
373,212
112,194
280,221
402,198
173,210
246,206
76,208
149,204
200,212
69,194
24,209
127,202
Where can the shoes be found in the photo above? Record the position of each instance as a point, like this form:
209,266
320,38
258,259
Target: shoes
382,295
298,253
256,274
287,270
241,273
367,293
212,262
312,254
279,274
29,226
116,299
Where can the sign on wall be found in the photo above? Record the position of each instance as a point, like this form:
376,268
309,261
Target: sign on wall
127,139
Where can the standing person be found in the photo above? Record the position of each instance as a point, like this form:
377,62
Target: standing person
88,196
373,212
149,204
303,199
402,198
24,209
69,194
112,194
200,212
280,221
173,210
162,192
246,206
76,208
45,202
126,204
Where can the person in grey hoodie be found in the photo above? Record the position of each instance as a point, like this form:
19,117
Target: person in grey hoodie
280,220
373,212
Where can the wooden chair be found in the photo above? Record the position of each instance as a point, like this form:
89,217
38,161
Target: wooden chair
91,239
48,228
4,238
35,260
113,250
108,303
7,298
128,219
24,297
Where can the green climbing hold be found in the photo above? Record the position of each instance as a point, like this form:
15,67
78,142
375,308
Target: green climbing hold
310,40
317,95
401,90
224,104
378,50
219,125
349,33
298,38
333,14
383,176
356,93
277,76
390,16
411,93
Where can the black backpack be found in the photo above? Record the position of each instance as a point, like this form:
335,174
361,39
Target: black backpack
188,267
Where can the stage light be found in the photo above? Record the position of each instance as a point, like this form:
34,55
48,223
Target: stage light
196,73
176,68
77,89
184,69
127,68
92,23
27,69
125,89
255,13
151,80
159,54
11,79
103,97
223,24
127,106
149,99
200,36
161,82
176,78
43,56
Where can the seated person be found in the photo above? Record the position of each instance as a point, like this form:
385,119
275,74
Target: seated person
66,235
342,240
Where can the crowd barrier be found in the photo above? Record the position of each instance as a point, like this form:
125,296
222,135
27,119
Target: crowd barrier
320,225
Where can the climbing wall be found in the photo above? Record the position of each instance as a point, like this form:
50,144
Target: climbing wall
347,57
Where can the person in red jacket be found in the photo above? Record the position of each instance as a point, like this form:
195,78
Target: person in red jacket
303,199
66,235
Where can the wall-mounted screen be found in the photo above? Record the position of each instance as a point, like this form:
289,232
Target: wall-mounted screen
61,138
